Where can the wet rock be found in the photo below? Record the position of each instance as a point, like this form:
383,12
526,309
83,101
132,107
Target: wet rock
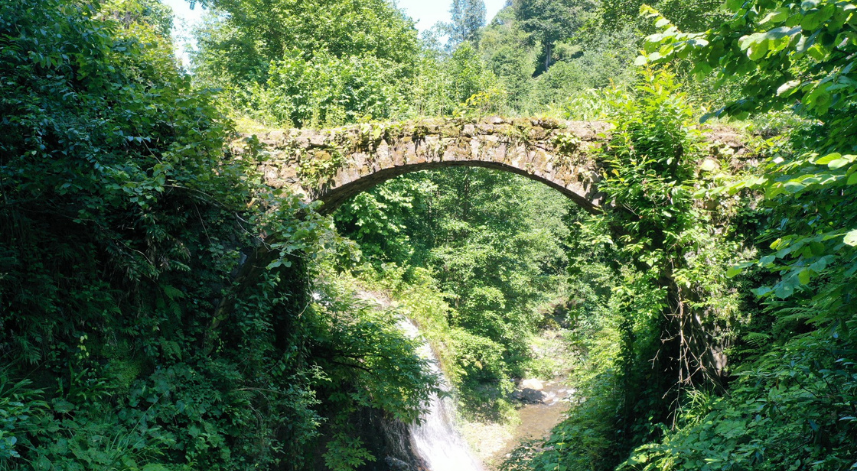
532,384
397,464
530,396
530,391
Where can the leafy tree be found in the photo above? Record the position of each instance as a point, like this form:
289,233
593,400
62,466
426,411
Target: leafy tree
444,83
506,51
657,342
549,21
604,60
297,63
325,91
241,38
467,73
494,246
389,222
145,322
790,57
692,14
468,17
794,56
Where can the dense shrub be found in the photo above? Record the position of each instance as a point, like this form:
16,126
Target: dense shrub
144,321
326,91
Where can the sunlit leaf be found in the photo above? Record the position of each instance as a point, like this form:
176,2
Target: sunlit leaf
788,87
828,158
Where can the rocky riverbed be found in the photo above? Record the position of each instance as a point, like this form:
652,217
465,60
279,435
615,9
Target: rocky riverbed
540,406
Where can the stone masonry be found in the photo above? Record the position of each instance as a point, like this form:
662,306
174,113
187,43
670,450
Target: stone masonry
335,164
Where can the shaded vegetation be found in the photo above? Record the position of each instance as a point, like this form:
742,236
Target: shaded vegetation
161,309
128,340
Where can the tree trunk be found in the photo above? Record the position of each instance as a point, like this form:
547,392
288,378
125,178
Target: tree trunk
548,53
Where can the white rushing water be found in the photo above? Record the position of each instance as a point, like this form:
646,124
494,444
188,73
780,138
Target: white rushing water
436,440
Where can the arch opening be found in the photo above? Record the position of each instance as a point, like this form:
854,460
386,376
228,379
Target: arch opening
335,197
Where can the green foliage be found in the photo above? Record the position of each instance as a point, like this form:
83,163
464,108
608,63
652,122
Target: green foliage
788,53
648,174
601,61
467,74
806,181
695,14
504,49
499,261
582,441
241,38
416,297
364,361
586,52
666,306
18,404
325,91
346,453
468,17
380,221
495,257
147,325
145,322
550,21
297,63
430,91
353,340
792,406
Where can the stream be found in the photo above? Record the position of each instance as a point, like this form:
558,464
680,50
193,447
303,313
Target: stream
440,446
436,440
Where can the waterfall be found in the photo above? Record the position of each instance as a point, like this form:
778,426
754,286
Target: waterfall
436,440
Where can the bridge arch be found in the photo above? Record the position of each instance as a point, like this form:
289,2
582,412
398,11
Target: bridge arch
334,165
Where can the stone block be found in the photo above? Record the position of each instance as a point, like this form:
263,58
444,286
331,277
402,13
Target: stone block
317,139
499,152
486,129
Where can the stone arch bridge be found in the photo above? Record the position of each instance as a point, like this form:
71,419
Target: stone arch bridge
333,165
